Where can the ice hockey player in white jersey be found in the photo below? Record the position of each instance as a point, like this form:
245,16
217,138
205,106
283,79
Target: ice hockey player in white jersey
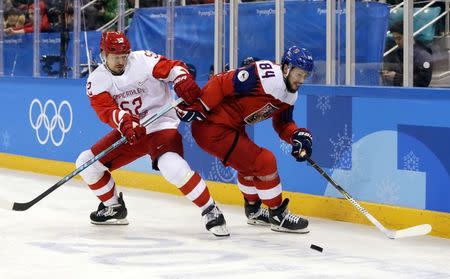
128,88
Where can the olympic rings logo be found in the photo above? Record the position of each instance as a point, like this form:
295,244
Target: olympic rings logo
50,123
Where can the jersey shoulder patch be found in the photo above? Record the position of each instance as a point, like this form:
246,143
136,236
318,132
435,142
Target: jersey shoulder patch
144,60
146,56
245,79
98,81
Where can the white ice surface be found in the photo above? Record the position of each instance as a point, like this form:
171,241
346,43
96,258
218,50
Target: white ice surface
166,239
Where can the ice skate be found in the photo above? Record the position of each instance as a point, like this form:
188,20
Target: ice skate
110,215
256,215
283,221
215,222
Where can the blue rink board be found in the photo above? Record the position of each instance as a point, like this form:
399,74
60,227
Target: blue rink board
384,145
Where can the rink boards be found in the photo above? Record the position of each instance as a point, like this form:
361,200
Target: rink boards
387,147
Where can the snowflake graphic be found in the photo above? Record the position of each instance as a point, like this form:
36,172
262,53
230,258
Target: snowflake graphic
388,191
342,150
323,104
185,130
220,173
5,140
285,147
411,162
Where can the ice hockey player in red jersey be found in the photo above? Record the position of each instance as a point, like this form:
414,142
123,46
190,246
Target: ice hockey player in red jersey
128,88
248,95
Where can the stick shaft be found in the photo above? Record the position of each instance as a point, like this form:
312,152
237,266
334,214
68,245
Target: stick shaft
364,211
24,206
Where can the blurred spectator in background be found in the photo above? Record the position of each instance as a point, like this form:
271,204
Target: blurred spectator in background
68,17
249,60
392,73
60,14
196,2
91,16
211,70
22,5
192,70
7,5
28,27
246,61
147,3
14,18
55,15
110,9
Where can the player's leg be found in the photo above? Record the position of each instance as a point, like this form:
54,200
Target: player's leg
167,156
221,142
112,209
256,214
268,185
235,149
269,190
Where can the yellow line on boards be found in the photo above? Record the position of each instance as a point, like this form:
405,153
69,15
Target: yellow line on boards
392,217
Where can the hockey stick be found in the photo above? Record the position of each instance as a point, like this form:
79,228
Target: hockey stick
24,206
411,231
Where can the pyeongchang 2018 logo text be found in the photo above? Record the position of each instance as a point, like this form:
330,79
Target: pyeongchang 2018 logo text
50,121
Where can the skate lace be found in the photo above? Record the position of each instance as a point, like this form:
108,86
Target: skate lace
264,212
215,212
108,211
291,218
213,215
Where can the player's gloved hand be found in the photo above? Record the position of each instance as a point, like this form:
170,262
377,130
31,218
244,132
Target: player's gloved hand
301,144
130,128
188,113
186,88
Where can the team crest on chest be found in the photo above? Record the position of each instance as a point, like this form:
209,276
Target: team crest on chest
261,114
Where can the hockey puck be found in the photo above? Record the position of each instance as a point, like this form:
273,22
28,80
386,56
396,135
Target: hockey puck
315,247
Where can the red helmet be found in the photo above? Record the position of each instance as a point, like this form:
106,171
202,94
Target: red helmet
115,43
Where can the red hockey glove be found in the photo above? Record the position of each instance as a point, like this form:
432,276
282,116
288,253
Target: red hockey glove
196,111
186,88
301,144
130,128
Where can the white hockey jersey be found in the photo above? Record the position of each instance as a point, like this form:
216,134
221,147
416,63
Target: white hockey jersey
142,90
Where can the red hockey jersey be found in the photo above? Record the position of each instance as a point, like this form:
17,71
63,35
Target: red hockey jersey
249,95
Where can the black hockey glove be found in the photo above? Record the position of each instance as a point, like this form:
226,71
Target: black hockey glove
301,144
191,112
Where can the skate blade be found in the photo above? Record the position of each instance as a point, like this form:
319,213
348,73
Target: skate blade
281,229
112,222
219,231
257,223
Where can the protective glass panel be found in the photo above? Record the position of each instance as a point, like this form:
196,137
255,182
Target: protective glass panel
256,36
371,20
305,27
193,40
378,57
18,38
430,52
55,57
147,30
